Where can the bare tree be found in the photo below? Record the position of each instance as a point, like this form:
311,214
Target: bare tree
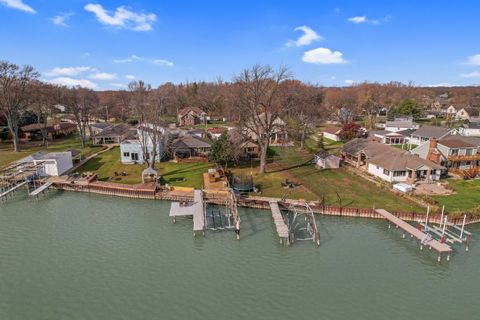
14,96
261,105
81,102
44,97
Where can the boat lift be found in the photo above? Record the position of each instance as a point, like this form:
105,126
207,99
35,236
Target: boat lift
302,229
446,231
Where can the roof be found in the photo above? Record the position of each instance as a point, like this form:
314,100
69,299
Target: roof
184,111
101,125
406,132
402,161
50,126
403,123
455,143
323,154
370,148
332,130
472,140
114,131
471,125
429,131
189,142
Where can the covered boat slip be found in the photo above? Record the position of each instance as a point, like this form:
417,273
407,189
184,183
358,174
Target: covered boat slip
195,209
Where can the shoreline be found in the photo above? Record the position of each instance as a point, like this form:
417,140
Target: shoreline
149,192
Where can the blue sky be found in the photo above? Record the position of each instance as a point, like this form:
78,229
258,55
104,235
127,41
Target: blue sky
105,44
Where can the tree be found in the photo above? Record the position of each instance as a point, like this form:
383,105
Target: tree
15,84
222,150
81,102
44,97
350,130
408,107
261,105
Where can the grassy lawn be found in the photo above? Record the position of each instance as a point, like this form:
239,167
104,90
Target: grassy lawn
7,155
318,184
107,163
466,197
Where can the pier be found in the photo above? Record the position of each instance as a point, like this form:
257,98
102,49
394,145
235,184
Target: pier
424,238
40,189
281,226
195,209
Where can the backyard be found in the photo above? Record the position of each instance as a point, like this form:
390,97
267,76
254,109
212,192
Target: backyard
176,174
466,196
334,186
7,155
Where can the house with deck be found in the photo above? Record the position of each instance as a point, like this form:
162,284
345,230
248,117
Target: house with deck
188,146
34,131
114,134
389,163
427,132
456,153
279,134
142,148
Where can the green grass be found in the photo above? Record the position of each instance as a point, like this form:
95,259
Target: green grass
318,184
466,197
7,155
107,163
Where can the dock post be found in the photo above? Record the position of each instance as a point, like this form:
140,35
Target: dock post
463,226
448,257
439,257
441,217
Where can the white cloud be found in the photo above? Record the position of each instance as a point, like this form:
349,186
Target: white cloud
68,71
122,18
475,59
323,56
473,74
122,60
348,81
18,4
309,35
70,82
61,19
163,62
103,76
358,19
130,77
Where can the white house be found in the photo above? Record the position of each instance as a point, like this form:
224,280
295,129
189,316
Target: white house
400,124
427,132
131,151
470,129
55,163
451,110
332,133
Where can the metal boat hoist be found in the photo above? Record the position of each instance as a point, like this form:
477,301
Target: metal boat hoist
301,223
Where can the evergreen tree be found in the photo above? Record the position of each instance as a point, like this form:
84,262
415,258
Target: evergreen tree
222,150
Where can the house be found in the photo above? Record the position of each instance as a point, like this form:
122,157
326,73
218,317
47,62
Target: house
190,116
325,160
141,149
332,133
470,128
466,113
388,137
279,134
455,153
451,111
402,123
389,163
427,132
245,149
114,134
215,132
53,130
190,146
96,128
50,164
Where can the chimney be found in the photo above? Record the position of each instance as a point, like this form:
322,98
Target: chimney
433,155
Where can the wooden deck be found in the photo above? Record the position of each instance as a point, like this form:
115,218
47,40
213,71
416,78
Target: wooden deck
280,224
438,246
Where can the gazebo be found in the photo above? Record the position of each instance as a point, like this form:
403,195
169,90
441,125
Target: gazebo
149,175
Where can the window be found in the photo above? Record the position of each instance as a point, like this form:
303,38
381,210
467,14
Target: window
399,173
454,152
126,154
386,172
134,156
469,152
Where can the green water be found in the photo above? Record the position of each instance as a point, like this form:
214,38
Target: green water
78,256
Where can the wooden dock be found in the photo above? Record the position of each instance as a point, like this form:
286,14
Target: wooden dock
40,189
280,224
194,209
441,248
4,194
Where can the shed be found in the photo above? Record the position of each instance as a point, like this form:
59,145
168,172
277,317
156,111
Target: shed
325,160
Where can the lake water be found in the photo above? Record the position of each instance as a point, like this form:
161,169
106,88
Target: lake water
80,256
